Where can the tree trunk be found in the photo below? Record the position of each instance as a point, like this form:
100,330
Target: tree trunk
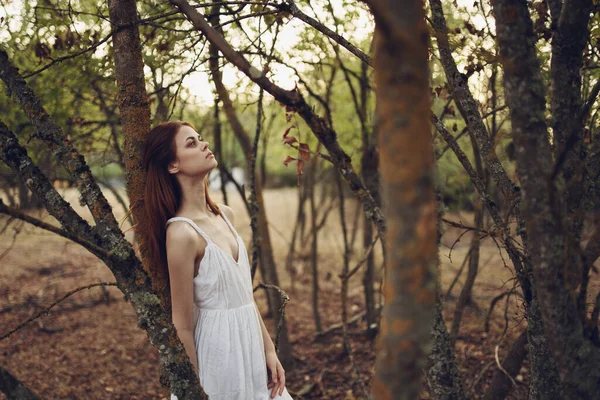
406,159
370,175
134,111
219,151
466,293
442,372
314,259
544,380
577,357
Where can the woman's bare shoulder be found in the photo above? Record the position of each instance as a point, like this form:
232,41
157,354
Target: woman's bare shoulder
180,233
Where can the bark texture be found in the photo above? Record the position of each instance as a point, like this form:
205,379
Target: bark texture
547,384
134,113
578,358
408,197
568,42
442,374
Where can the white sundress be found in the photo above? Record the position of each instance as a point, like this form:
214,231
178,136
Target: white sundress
227,331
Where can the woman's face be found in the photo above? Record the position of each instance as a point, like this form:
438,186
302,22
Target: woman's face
192,154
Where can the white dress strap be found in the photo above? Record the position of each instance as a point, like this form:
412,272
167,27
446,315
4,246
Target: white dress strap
196,227
229,224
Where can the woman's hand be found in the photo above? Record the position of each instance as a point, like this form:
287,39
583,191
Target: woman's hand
277,381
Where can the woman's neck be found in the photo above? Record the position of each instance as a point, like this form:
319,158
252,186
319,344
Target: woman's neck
193,199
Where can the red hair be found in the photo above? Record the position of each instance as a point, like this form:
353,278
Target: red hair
162,196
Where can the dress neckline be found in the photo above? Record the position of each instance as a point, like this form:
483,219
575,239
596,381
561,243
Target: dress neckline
210,241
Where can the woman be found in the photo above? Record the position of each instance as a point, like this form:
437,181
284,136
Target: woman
192,238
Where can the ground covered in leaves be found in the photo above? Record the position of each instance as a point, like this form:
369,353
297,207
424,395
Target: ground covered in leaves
89,347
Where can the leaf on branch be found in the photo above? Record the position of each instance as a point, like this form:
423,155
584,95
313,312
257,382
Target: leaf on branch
304,152
287,160
289,140
288,130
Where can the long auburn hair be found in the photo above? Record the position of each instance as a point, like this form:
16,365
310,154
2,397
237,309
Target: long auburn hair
163,193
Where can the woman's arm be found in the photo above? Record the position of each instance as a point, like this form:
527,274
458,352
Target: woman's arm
181,253
268,342
277,372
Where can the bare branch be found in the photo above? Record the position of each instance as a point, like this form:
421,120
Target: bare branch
16,213
284,300
68,57
293,9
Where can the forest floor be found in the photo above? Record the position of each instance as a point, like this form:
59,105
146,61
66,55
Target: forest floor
89,347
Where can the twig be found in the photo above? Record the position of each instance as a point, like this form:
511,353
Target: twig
492,305
285,298
479,376
361,262
459,273
500,367
64,58
462,226
293,9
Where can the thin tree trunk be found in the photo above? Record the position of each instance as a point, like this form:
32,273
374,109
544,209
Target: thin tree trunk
357,379
370,175
314,260
219,151
134,112
466,293
300,216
